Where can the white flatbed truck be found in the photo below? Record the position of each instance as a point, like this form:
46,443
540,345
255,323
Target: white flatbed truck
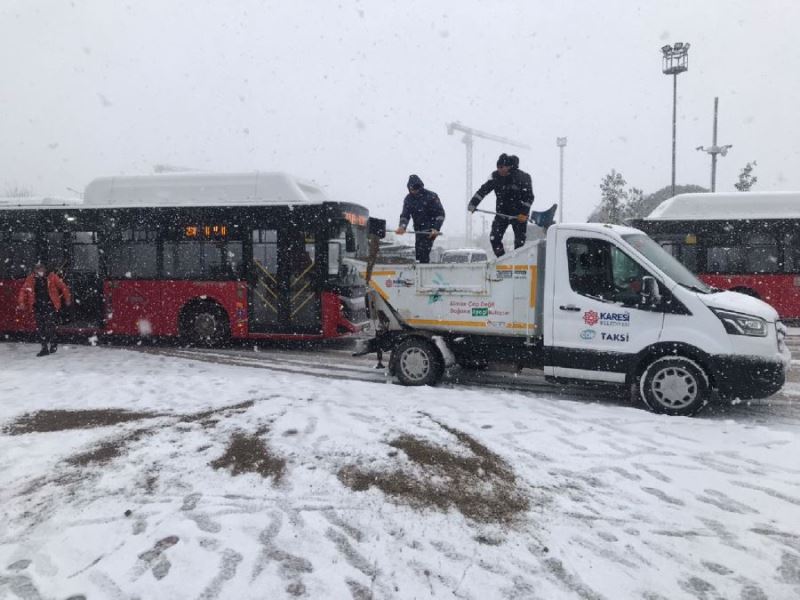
590,303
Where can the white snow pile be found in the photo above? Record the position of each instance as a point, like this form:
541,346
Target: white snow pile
125,475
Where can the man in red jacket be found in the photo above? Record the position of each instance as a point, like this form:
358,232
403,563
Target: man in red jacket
42,293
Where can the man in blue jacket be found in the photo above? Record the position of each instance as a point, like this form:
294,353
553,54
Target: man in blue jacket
425,209
514,192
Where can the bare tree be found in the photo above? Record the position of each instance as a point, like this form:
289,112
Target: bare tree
15,191
746,178
613,199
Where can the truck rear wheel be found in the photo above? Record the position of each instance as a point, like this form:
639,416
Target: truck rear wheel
674,385
417,361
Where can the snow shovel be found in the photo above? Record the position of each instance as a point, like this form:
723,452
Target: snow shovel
541,218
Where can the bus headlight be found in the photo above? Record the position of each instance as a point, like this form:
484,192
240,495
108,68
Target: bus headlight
741,324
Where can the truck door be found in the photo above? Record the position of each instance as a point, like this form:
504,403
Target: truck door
598,322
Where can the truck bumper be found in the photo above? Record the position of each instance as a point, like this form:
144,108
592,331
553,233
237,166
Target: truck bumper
748,378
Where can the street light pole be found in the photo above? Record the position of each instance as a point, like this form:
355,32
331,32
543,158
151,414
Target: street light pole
561,143
675,61
714,149
468,142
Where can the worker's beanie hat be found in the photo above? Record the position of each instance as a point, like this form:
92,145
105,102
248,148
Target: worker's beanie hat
504,160
415,183
514,161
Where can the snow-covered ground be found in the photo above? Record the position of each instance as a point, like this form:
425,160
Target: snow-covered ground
225,481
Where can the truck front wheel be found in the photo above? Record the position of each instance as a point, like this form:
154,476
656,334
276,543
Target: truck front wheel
674,385
417,361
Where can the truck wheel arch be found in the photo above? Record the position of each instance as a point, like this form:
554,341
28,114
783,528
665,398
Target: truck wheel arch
423,340
656,351
746,291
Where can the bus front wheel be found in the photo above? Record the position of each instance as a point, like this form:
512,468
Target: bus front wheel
205,325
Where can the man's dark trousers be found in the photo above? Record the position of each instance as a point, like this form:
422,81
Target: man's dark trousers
423,247
499,226
46,326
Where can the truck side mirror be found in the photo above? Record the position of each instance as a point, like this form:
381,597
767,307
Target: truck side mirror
349,240
334,257
650,293
376,227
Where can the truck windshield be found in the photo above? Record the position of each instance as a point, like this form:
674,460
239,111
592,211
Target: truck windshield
664,261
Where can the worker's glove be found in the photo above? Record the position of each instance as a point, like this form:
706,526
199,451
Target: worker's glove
400,230
522,218
434,234
471,208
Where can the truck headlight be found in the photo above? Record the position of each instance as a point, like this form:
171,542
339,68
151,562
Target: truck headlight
781,331
741,324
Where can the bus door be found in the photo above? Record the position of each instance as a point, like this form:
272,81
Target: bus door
284,291
82,275
304,298
265,290
75,258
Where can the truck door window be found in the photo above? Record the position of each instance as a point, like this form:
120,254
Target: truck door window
600,270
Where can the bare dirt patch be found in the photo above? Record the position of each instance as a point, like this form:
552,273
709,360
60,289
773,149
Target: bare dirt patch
209,418
479,484
249,454
44,421
107,450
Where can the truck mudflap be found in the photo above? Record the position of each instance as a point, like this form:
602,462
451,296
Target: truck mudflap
366,346
382,342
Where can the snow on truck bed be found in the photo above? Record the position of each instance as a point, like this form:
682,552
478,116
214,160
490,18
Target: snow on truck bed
127,475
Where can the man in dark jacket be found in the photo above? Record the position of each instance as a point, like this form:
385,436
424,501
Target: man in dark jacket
43,293
514,192
425,209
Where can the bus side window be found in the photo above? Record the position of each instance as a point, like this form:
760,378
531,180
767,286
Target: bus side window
17,254
265,249
85,255
762,254
132,254
725,259
670,247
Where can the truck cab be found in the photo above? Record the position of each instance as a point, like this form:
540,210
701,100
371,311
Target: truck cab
591,303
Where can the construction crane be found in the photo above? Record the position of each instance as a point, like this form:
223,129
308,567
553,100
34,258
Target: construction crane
469,134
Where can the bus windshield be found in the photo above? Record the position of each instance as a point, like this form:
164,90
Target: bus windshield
650,249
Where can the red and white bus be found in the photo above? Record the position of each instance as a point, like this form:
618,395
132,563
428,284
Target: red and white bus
746,242
207,257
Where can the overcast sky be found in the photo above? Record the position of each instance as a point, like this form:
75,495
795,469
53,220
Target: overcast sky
355,94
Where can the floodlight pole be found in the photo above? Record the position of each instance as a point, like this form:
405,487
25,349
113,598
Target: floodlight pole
561,143
675,62
674,125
